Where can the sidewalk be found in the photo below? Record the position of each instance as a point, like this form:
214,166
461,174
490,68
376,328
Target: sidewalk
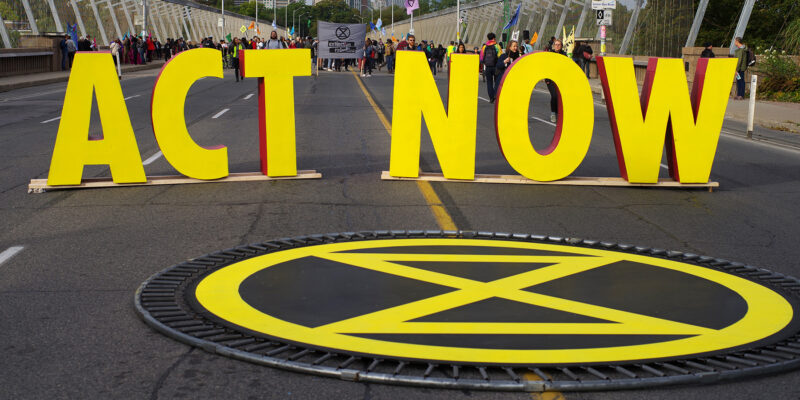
769,114
22,81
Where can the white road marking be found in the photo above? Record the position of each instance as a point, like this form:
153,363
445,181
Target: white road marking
51,120
153,158
220,113
130,97
664,166
249,96
486,100
10,252
543,120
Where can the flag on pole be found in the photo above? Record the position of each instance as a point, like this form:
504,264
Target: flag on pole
569,41
274,25
243,29
291,32
372,26
411,5
383,31
379,24
252,25
228,38
535,37
514,18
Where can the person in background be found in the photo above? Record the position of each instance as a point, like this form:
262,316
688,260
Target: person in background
490,53
114,47
440,53
450,49
64,52
556,47
708,52
234,50
389,56
741,66
582,55
461,49
506,59
274,42
527,47
430,54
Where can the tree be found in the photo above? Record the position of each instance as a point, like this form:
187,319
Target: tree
7,12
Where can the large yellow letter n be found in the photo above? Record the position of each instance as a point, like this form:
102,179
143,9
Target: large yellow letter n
94,72
690,125
452,133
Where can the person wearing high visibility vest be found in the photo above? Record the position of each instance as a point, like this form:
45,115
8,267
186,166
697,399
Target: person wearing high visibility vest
450,50
234,51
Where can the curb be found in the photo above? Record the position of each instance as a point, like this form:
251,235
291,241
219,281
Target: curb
37,82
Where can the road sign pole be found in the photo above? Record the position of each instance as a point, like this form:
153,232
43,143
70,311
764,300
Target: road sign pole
752,109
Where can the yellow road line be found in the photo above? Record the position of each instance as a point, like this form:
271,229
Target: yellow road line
434,203
443,219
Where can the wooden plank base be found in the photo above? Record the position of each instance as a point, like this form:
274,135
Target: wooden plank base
569,181
40,185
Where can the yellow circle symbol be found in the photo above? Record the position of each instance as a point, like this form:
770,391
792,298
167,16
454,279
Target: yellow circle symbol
381,332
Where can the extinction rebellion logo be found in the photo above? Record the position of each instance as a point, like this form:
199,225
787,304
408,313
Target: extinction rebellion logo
500,302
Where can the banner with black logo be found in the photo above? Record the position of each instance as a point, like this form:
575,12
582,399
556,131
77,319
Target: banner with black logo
341,40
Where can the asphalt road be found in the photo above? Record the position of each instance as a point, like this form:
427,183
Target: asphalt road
68,328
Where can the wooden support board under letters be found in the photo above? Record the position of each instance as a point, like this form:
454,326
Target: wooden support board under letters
40,185
569,181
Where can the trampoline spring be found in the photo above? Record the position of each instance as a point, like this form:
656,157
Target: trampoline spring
240,342
569,373
374,364
186,324
177,274
225,338
399,368
673,368
279,350
698,366
325,357
208,333
625,372
741,361
596,373
197,328
347,362
175,318
787,356
761,358
260,346
788,349
543,376
651,370
512,374
159,314
455,372
719,363
428,370
484,375
299,355
433,233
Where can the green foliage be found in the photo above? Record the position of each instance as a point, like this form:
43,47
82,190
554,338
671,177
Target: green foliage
768,25
779,76
7,12
791,34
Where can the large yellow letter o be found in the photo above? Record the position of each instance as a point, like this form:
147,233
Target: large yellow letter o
573,134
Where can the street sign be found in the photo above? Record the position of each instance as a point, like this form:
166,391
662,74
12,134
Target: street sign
603,17
137,20
604,4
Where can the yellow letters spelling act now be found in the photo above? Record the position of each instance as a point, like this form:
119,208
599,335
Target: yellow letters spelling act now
665,114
